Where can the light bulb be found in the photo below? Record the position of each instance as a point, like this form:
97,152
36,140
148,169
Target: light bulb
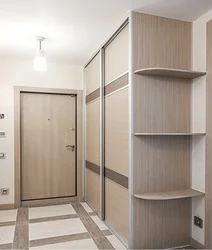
40,62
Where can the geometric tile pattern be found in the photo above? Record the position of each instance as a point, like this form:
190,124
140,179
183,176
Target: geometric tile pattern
68,226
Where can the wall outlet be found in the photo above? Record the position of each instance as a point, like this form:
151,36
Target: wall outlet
5,191
2,116
198,222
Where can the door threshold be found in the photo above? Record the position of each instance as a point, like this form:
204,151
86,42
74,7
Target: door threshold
47,202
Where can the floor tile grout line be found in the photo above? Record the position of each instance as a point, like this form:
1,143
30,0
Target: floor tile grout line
7,224
58,239
21,233
53,218
15,226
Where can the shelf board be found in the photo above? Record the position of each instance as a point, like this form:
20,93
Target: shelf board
170,195
172,134
179,73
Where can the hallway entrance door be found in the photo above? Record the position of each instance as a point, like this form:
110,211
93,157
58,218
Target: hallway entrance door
48,150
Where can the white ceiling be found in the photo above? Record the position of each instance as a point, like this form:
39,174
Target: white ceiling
75,29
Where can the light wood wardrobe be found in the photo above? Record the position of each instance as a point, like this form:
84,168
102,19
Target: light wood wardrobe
107,131
142,109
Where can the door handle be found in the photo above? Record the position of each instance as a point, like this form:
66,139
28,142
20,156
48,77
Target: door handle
70,146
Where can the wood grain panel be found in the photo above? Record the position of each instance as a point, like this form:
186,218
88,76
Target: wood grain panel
116,131
110,174
161,163
46,123
92,96
161,224
93,190
208,187
178,73
93,132
93,167
117,84
161,105
161,42
116,56
116,207
170,195
116,177
92,75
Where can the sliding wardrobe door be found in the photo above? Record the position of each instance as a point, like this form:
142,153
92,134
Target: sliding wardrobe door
92,172
116,134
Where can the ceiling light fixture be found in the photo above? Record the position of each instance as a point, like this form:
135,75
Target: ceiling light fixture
39,63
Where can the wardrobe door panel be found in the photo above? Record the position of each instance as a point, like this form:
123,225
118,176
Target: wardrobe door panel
116,134
93,190
92,74
93,132
116,131
116,56
116,209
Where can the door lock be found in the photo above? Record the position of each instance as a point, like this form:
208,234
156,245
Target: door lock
71,146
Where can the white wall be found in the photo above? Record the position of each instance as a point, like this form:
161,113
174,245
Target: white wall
20,73
199,121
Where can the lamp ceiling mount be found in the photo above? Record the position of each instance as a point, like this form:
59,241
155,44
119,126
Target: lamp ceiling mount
40,38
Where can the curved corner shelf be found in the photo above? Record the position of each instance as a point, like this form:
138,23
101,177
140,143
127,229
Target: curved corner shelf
168,72
170,195
168,134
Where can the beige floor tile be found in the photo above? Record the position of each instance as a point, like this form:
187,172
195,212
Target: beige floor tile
50,211
78,244
55,228
6,234
8,215
99,223
87,207
116,243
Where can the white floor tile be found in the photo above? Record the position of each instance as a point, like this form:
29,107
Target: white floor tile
8,215
86,207
6,234
77,244
55,228
116,243
99,223
49,211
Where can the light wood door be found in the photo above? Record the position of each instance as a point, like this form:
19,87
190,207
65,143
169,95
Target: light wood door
48,130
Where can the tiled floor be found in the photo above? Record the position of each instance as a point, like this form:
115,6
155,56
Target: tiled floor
69,226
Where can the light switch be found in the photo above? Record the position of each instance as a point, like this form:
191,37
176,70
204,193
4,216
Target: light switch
2,155
2,134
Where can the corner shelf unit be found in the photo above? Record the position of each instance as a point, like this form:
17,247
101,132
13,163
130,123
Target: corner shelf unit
168,72
164,133
170,195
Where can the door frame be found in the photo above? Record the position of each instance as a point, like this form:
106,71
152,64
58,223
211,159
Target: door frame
17,142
